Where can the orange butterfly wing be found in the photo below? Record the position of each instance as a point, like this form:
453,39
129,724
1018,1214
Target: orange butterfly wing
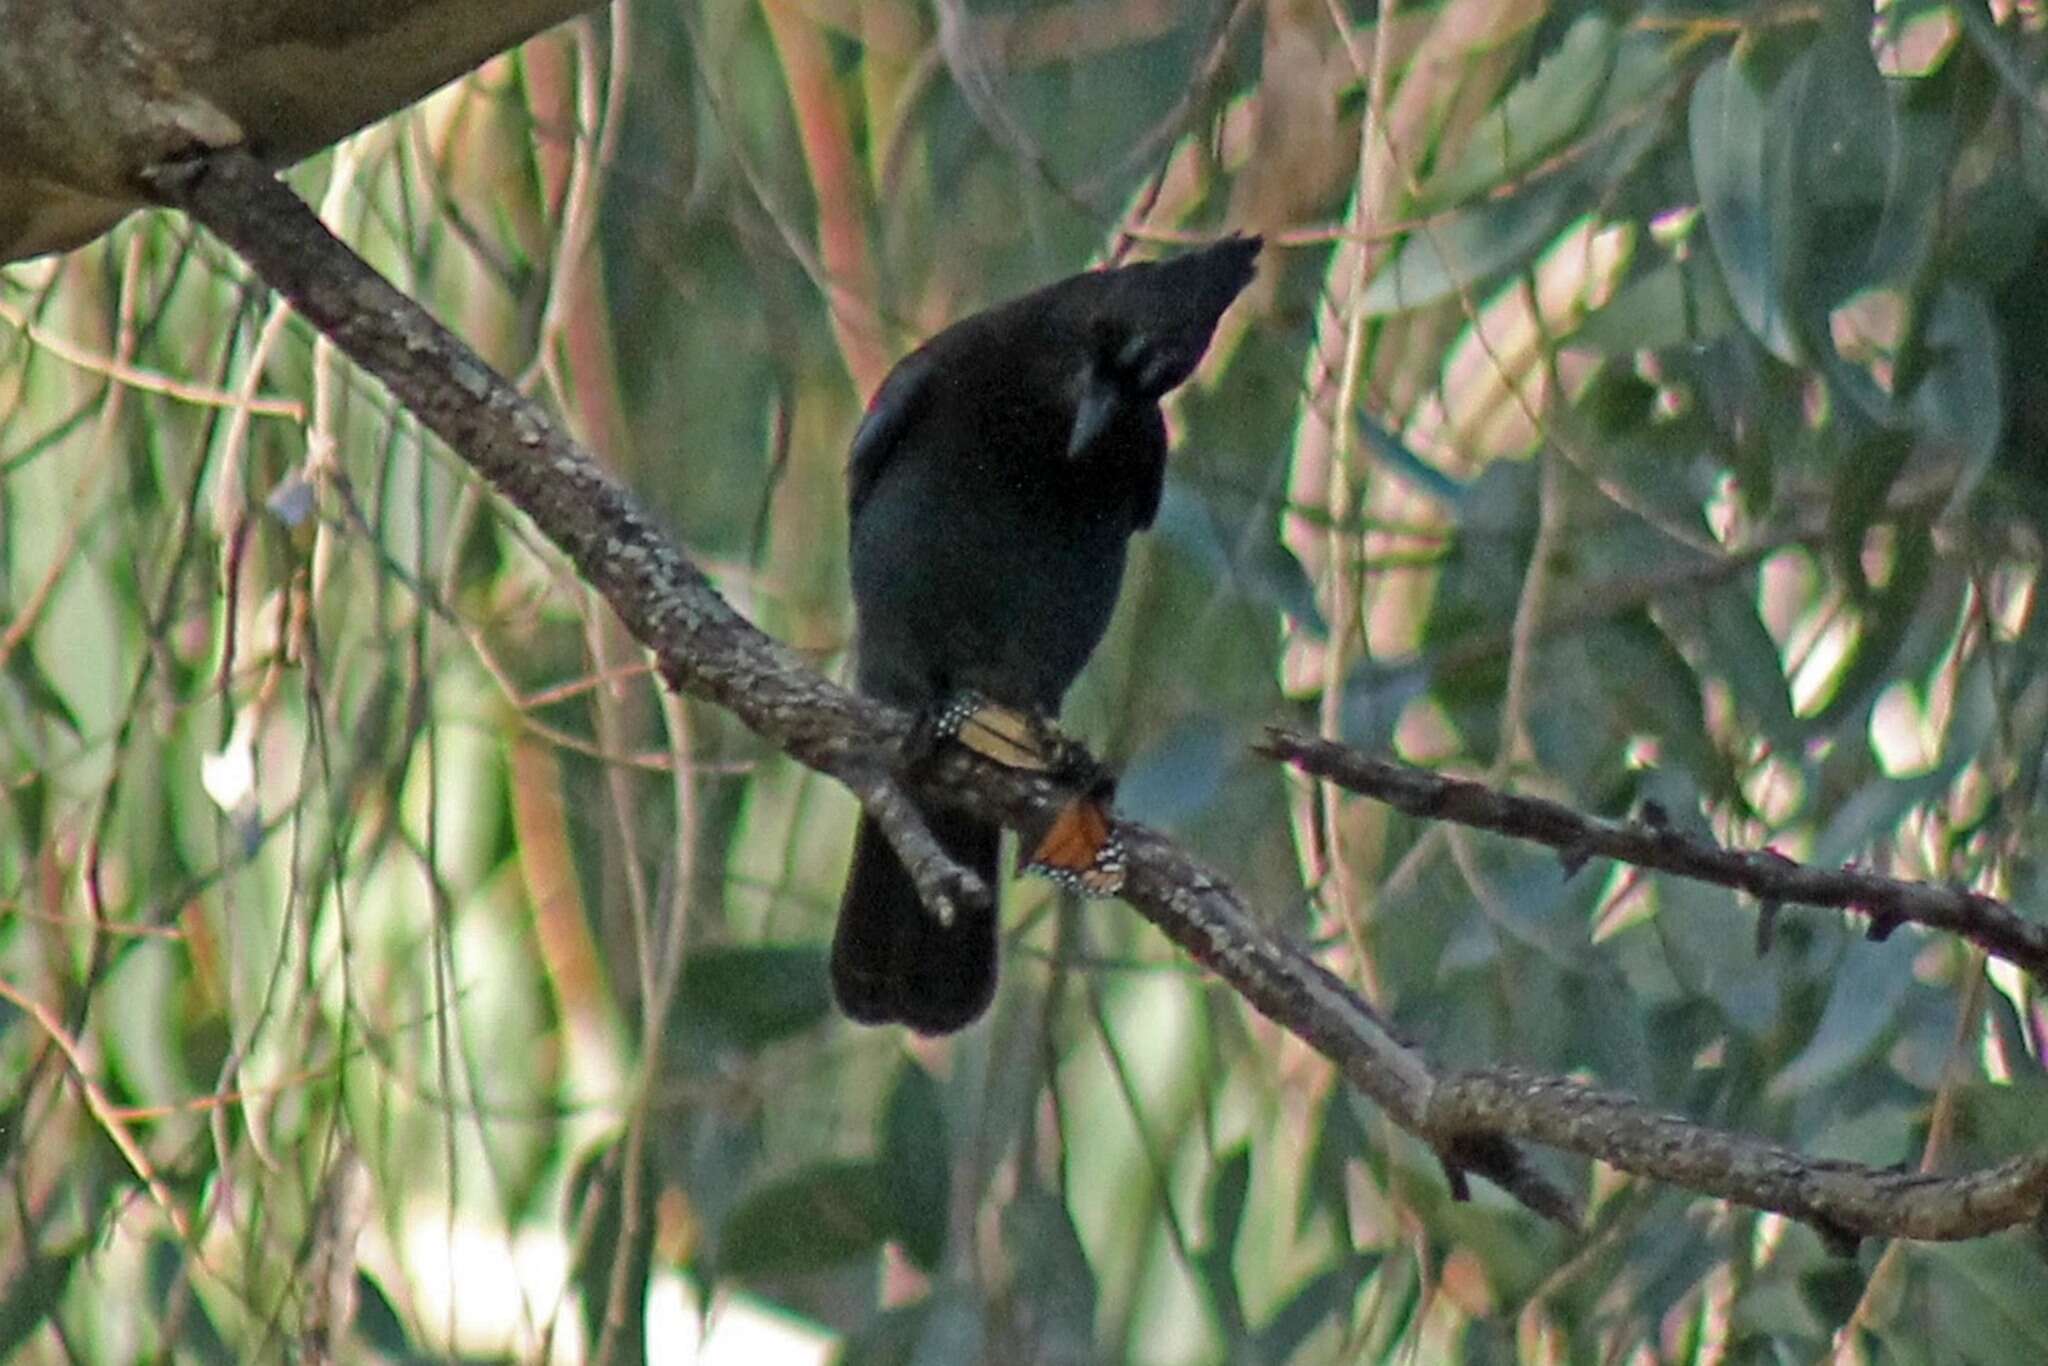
1080,850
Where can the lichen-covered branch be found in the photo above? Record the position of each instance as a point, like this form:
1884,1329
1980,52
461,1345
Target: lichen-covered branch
1842,1200
943,884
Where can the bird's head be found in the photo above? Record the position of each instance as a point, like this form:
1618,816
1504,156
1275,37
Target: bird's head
1147,328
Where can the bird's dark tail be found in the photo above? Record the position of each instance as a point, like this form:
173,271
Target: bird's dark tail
891,961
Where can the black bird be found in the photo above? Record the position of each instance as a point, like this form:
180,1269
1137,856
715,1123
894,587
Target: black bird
992,487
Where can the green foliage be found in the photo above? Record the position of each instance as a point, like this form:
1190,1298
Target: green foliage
811,1219
916,1167
748,996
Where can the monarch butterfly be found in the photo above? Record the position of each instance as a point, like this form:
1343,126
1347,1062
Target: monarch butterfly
1014,739
1080,850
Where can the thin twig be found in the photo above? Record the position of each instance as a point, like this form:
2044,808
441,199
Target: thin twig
1765,874
103,1110
122,371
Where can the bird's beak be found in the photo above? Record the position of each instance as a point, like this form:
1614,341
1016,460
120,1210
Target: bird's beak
1092,415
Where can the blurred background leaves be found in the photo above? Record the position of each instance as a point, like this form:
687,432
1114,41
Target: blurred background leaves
1637,402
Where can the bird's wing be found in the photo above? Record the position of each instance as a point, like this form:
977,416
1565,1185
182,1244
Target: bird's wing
889,413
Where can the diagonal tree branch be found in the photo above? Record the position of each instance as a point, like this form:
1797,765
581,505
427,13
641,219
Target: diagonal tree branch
1842,1200
1765,874
706,649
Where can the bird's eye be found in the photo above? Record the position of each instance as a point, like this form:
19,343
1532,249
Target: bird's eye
1130,360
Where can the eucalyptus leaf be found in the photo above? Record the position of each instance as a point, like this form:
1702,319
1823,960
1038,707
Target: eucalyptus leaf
1400,458
1676,303
753,995
171,1283
1215,1261
1457,253
2034,149
1862,1010
32,1293
1708,939
820,1216
1535,118
1057,1287
1959,404
917,1160
952,1329
1730,129
1275,578
1986,1297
